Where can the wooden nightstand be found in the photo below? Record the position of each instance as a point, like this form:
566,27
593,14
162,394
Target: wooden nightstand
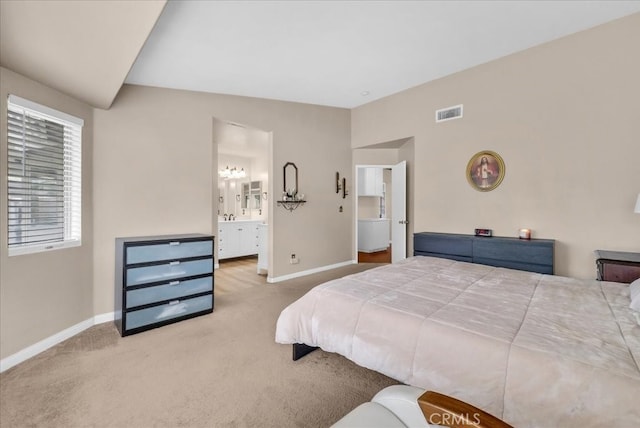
617,266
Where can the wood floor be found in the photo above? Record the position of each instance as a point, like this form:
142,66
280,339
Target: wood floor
241,273
238,274
377,257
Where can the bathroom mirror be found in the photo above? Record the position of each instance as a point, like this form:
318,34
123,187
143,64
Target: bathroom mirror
230,197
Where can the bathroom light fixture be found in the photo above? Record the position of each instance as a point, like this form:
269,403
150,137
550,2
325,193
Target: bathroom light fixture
232,173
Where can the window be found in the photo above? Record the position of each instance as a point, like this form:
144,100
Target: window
44,177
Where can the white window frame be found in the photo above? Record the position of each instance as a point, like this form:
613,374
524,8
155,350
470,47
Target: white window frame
71,171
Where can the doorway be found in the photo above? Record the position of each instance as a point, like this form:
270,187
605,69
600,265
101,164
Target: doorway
241,197
380,213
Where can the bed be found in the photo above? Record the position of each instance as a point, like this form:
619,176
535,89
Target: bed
533,349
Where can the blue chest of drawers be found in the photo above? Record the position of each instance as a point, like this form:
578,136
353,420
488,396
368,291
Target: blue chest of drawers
161,280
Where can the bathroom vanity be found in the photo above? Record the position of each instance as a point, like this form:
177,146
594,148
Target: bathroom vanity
237,238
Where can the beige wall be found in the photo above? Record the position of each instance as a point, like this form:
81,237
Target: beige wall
564,116
44,293
155,173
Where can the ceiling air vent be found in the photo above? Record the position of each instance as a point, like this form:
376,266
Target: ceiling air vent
449,113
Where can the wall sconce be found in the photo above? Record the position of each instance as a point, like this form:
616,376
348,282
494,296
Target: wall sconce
341,186
344,188
264,196
238,198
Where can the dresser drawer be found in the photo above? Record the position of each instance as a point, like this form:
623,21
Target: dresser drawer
171,250
168,271
172,290
434,244
519,251
175,309
609,270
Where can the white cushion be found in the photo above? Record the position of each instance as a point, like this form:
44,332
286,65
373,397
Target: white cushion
369,415
402,401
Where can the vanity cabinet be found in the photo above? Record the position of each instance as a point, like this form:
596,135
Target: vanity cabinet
162,280
237,238
370,182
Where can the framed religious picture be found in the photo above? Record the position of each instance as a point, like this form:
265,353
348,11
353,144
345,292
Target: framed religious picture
485,171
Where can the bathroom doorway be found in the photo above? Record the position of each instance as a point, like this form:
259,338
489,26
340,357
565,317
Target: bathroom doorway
241,196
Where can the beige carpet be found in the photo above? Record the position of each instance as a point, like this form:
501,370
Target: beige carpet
218,370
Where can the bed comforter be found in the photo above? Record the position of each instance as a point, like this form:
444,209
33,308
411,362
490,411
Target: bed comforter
535,350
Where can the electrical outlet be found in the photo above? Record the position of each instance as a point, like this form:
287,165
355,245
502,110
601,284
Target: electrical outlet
294,260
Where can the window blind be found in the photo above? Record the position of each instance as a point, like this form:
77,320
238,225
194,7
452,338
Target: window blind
44,177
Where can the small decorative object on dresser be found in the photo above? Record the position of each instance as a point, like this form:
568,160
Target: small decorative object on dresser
484,232
617,266
162,280
524,233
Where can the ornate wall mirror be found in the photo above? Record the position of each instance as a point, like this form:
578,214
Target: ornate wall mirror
290,174
291,196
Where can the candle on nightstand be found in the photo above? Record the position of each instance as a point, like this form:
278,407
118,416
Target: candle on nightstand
525,234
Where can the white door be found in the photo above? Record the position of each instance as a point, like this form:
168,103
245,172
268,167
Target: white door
399,212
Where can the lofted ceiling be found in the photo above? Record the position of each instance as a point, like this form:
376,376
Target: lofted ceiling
346,53
334,53
82,48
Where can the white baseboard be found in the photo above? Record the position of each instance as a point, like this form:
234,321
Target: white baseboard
102,318
310,271
43,345
51,341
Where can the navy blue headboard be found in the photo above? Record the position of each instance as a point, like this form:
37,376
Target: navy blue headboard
534,255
